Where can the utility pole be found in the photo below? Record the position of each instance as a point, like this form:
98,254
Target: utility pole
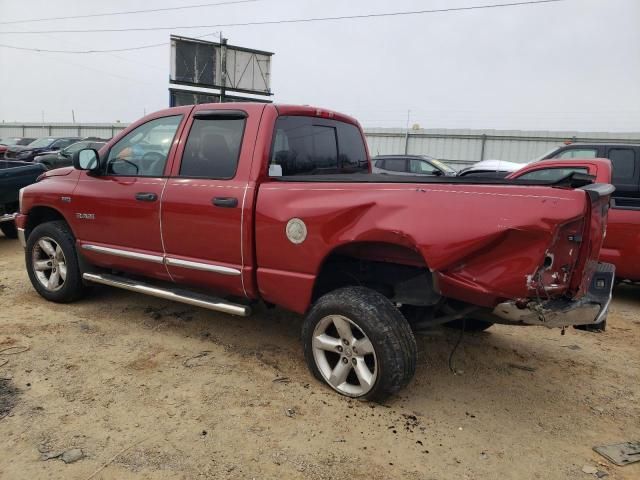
73,116
406,134
223,65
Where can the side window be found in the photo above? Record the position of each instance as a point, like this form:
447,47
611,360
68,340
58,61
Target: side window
624,162
143,151
421,167
551,174
395,165
213,148
578,153
310,146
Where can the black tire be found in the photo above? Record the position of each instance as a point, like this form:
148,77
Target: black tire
470,325
9,229
383,324
72,287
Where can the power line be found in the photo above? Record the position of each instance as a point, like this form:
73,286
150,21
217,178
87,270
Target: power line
129,12
295,20
111,50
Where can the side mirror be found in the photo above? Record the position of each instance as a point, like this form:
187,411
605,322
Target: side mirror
86,159
437,173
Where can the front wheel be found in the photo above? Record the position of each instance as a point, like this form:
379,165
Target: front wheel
358,342
52,263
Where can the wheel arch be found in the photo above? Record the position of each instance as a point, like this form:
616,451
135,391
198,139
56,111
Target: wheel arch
40,214
396,270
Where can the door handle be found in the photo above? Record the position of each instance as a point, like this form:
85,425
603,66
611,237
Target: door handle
146,197
225,202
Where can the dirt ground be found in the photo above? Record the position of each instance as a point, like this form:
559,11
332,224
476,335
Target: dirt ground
150,389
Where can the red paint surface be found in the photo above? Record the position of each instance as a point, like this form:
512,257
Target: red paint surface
621,245
483,243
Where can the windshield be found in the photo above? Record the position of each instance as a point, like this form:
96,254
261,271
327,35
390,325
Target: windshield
545,155
76,147
42,142
9,141
441,165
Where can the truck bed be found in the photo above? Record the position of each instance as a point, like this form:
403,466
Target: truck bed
575,180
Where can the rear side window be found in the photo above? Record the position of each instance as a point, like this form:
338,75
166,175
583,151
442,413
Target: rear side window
313,146
395,164
213,148
551,174
624,163
578,153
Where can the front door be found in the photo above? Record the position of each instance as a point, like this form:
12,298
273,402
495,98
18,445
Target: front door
202,205
117,222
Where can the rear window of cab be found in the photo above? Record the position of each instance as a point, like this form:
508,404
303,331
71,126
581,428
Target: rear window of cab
315,146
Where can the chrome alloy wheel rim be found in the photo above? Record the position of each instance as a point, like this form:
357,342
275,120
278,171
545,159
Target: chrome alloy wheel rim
344,356
49,264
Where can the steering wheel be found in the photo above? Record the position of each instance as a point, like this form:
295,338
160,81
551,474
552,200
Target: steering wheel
122,160
154,160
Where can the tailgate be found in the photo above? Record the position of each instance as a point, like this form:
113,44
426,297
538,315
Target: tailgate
599,195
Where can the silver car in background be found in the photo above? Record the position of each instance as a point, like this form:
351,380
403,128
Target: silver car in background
410,165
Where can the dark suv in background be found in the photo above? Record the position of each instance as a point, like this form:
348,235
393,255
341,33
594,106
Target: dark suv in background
625,159
46,144
62,158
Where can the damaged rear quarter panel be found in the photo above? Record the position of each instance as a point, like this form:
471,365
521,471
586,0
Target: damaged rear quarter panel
481,241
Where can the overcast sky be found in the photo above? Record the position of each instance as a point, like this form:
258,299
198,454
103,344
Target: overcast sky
572,65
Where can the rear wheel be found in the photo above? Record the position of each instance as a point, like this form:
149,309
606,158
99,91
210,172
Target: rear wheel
52,262
357,342
9,229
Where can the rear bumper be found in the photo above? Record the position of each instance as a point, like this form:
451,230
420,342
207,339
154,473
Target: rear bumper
8,217
590,309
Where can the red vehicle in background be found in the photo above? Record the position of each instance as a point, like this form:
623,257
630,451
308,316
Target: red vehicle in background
621,245
276,203
10,141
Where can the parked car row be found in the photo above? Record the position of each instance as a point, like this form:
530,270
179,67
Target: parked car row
63,158
7,142
25,159
52,152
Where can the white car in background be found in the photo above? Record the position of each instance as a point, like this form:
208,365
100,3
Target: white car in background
491,169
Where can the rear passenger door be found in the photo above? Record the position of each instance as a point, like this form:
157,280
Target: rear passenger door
202,204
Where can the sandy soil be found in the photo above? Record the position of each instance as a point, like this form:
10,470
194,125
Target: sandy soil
157,390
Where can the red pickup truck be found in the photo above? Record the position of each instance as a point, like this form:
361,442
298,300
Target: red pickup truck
221,206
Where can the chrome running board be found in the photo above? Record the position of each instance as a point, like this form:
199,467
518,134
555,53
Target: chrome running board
182,296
